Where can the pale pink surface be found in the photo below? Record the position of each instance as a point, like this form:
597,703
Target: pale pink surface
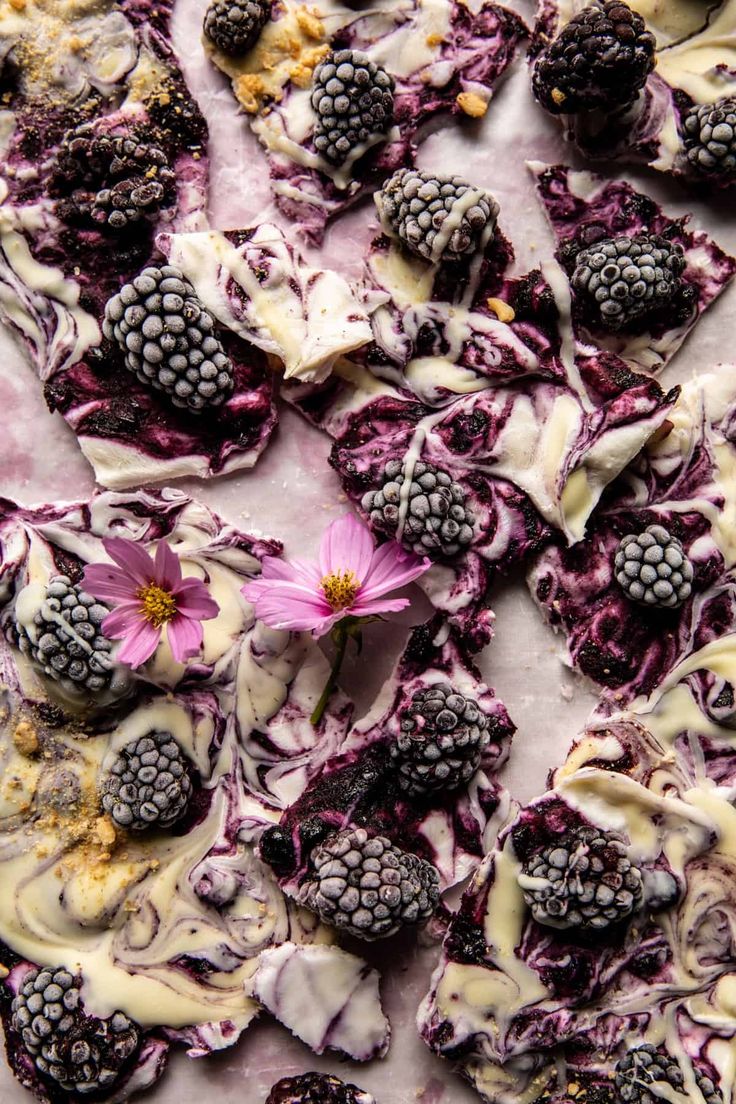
122,585
289,593
292,493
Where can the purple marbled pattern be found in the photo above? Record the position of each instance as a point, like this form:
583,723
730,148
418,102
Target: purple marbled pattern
358,786
100,399
579,204
677,482
473,56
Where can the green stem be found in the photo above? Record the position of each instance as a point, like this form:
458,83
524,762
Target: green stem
341,637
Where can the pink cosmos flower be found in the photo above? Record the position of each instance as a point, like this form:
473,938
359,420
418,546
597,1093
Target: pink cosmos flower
351,579
147,594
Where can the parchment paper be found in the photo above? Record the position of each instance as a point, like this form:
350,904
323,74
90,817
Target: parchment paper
292,494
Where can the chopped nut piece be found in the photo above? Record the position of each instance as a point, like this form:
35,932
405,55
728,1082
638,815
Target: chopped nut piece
502,310
472,104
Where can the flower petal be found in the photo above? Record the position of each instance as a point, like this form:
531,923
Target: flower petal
132,557
193,600
379,605
140,644
168,568
122,620
392,567
297,571
346,546
185,638
287,605
109,583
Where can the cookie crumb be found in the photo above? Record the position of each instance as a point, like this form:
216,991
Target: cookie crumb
26,739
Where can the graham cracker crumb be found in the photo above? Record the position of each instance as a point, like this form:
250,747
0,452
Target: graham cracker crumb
249,88
26,739
301,74
105,831
310,24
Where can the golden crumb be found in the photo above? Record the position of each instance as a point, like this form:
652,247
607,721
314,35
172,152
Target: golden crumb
105,831
301,74
131,906
472,104
26,739
558,96
18,5
501,309
249,88
434,40
310,24
4,971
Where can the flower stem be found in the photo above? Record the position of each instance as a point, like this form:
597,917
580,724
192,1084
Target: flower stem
340,636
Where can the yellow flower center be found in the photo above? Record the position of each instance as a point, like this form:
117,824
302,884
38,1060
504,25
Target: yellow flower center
340,589
157,605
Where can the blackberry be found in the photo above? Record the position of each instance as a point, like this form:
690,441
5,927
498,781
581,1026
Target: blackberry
437,521
81,1053
584,880
641,1069
316,1088
168,338
600,59
709,137
624,279
354,104
441,740
436,217
368,887
148,785
66,639
113,180
652,568
234,25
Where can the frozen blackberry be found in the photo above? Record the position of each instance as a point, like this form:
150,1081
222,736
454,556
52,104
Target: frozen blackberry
600,59
368,887
709,137
111,179
316,1088
623,279
148,785
234,25
168,338
652,568
641,1069
80,1053
441,740
437,522
66,639
583,880
354,104
436,217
